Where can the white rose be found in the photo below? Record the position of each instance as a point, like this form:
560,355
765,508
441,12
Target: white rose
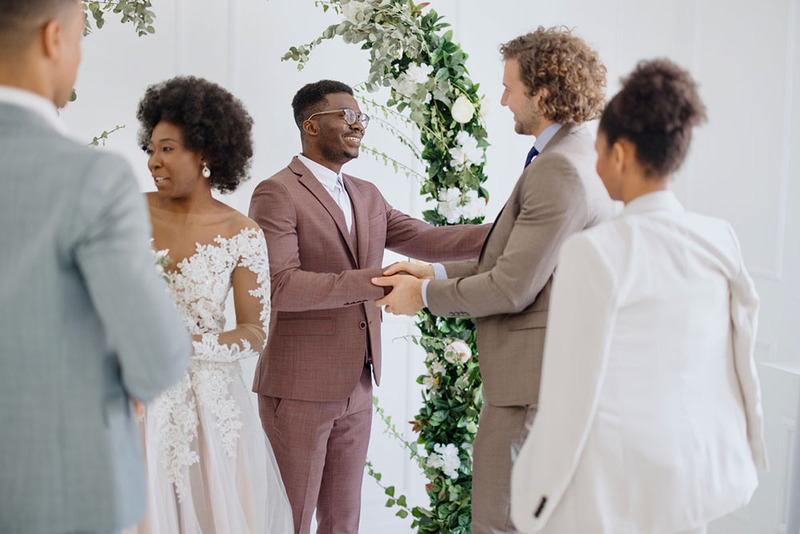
463,110
458,350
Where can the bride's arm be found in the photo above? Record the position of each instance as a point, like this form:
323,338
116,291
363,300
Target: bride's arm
251,294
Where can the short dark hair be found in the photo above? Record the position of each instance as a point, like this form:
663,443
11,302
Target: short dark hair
655,110
20,18
566,66
212,121
311,98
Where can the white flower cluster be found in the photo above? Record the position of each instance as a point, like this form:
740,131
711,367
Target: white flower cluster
162,260
466,152
457,351
453,204
407,84
352,9
431,378
446,459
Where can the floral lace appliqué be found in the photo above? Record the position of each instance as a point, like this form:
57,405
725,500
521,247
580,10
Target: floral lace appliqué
175,412
200,287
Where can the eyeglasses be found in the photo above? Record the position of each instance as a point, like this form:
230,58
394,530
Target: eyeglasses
350,116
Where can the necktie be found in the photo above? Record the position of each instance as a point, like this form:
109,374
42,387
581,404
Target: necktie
533,152
343,200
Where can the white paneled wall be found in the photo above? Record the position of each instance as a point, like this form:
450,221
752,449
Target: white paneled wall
744,164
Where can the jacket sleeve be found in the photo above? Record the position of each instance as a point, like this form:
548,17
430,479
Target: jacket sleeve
744,318
552,207
582,315
459,269
418,239
111,248
295,289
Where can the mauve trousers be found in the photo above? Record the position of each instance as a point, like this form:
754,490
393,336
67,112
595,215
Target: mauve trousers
321,448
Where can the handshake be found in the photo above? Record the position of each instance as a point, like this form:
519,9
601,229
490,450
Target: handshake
402,283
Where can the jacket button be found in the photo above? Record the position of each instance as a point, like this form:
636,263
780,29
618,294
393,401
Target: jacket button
362,325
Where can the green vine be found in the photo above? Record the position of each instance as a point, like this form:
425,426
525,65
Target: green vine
136,12
103,137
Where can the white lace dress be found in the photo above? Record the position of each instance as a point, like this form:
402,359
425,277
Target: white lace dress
210,467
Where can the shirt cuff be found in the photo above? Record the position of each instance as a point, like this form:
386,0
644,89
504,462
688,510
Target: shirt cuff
439,273
424,290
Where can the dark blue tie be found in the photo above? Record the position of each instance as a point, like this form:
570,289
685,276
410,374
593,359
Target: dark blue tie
531,155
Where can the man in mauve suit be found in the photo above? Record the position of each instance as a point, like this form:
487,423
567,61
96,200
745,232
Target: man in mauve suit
326,234
85,323
553,83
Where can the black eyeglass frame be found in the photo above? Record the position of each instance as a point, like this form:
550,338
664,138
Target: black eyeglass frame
350,116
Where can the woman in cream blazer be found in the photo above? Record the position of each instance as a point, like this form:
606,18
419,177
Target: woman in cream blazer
649,416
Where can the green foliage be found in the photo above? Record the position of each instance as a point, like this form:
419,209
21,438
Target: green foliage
136,12
103,137
413,54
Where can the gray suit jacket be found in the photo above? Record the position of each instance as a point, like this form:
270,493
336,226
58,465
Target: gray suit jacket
85,324
508,287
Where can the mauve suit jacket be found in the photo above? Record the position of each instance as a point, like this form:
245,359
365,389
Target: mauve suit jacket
508,287
324,320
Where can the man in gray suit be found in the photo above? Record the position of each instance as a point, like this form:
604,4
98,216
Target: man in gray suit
85,323
553,83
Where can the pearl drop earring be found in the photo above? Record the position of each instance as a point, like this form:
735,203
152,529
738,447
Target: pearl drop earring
206,171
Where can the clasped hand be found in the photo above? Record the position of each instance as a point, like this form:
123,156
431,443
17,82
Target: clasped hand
405,279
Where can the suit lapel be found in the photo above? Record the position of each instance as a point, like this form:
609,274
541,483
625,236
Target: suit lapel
565,130
360,218
307,178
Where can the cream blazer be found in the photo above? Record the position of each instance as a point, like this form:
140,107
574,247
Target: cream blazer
650,414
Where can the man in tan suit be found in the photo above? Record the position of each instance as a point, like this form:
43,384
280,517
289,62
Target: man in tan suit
326,233
553,83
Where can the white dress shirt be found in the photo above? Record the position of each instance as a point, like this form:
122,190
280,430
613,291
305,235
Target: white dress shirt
333,184
34,102
650,408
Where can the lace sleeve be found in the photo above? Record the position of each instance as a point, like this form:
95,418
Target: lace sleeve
251,297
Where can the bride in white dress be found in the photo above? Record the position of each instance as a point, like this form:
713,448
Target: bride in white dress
210,467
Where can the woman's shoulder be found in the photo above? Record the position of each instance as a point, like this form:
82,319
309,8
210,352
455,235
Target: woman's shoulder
239,223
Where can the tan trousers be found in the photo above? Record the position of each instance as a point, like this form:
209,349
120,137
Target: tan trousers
501,429
321,448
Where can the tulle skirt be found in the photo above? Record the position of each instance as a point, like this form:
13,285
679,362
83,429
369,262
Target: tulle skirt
210,467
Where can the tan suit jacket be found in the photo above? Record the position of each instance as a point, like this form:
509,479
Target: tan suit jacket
508,287
324,321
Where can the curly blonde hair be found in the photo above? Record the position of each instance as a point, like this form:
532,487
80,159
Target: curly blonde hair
566,66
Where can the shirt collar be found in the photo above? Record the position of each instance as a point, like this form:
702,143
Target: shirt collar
655,201
35,103
326,176
546,136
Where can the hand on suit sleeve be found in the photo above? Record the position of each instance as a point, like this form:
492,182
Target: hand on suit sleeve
405,297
